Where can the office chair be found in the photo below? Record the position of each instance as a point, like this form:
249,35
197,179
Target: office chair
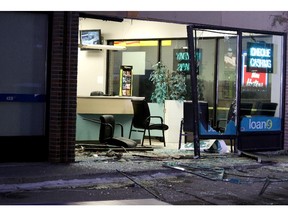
106,134
141,120
186,124
266,109
245,110
96,93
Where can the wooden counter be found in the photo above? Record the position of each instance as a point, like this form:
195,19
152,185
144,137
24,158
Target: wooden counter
104,105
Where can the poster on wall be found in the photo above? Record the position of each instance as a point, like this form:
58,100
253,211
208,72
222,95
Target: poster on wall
135,59
230,60
125,80
252,79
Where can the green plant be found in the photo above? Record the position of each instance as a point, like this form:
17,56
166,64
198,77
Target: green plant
168,85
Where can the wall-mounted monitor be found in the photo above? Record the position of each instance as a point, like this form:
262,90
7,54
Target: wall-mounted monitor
90,37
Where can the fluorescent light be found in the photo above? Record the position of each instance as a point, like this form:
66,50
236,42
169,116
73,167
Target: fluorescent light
101,46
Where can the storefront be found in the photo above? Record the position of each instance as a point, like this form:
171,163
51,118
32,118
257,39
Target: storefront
243,76
220,72
44,71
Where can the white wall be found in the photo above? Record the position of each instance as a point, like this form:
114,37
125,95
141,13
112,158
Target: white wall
92,63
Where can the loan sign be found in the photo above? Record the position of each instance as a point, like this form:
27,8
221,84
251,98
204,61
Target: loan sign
260,123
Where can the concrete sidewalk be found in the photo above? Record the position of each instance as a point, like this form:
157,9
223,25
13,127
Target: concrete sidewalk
89,169
144,176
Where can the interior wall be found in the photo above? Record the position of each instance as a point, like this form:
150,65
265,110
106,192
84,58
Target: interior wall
92,63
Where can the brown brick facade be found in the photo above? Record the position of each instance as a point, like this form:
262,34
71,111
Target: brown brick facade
286,105
63,87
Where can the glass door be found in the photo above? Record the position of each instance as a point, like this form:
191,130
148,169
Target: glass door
217,78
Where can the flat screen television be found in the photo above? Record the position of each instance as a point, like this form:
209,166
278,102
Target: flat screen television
90,37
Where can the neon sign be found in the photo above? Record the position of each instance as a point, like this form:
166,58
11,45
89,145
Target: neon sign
181,60
259,57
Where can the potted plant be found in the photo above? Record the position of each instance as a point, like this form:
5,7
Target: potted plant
169,85
170,91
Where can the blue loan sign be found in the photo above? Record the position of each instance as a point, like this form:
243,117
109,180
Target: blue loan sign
260,123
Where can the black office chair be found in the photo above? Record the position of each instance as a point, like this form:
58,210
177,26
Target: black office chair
96,93
186,124
141,120
106,134
231,116
266,109
245,110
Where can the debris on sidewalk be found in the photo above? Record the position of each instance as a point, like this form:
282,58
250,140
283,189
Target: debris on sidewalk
145,188
260,158
163,155
208,146
265,186
103,147
211,173
250,155
112,153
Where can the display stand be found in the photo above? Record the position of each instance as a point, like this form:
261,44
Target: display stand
125,81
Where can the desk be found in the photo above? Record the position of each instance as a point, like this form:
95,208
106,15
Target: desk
104,105
94,106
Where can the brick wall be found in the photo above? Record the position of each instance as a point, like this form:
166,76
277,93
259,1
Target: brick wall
286,105
63,91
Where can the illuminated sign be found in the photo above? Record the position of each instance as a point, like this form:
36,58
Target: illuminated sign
260,123
259,57
255,80
181,60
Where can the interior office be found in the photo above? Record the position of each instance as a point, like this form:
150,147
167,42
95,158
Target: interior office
93,66
98,69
